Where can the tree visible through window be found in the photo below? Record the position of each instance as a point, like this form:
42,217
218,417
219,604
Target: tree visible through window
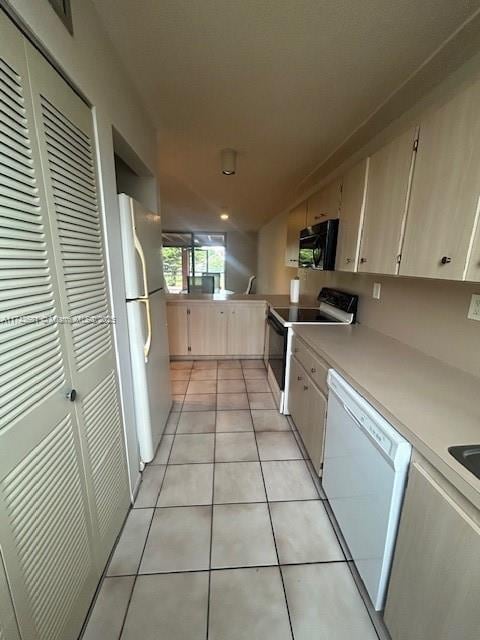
193,254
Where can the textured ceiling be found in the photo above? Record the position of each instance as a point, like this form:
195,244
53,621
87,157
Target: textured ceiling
284,82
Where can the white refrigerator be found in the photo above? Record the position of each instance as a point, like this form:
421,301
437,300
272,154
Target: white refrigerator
147,322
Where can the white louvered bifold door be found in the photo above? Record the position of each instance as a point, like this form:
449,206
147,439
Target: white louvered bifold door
8,621
46,539
66,139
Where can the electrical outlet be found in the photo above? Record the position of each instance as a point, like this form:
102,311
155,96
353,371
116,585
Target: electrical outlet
377,288
474,310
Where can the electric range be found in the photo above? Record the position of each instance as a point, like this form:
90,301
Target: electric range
335,308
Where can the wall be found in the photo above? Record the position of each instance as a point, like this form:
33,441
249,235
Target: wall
429,315
88,59
241,259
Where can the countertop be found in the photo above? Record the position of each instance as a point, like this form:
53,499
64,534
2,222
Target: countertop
274,300
432,404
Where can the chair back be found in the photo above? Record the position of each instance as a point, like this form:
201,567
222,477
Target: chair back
200,284
249,288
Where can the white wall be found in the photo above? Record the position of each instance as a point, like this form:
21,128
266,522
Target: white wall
89,61
241,259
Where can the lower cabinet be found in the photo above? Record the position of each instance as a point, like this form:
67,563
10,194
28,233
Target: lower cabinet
208,329
308,408
216,329
177,321
246,329
434,590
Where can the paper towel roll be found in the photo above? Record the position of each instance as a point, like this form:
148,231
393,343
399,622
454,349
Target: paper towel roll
294,290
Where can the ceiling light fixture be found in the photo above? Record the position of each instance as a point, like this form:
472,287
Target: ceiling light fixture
224,216
229,161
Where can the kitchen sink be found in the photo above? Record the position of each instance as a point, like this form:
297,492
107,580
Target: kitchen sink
468,456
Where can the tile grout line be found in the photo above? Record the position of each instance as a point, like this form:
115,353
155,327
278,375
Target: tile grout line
273,534
148,532
211,531
230,568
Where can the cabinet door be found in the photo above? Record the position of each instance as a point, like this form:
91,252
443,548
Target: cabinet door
246,329
8,622
351,216
297,396
177,329
67,145
324,204
46,533
389,178
316,404
434,590
297,220
445,190
208,329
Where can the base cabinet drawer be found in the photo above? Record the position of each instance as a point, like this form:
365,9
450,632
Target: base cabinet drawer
434,591
308,408
316,368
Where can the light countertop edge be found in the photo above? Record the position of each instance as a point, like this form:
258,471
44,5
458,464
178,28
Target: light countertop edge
432,404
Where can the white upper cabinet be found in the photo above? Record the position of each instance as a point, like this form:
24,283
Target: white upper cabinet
445,191
389,177
351,216
324,204
297,220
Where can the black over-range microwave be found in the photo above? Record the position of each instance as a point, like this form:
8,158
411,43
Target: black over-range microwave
318,246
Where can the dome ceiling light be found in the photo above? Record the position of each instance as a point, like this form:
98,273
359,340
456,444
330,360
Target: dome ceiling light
229,162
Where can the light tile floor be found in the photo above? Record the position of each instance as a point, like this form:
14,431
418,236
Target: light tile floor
229,538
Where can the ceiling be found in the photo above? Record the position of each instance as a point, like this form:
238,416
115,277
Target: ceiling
284,82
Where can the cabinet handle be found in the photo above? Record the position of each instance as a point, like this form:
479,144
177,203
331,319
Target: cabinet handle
71,395
313,370
362,260
299,378
305,387
445,260
348,260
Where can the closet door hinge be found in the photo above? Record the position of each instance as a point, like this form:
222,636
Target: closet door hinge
399,258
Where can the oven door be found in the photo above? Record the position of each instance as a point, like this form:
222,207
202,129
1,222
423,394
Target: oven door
277,349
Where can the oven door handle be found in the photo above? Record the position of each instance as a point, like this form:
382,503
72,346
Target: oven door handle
276,326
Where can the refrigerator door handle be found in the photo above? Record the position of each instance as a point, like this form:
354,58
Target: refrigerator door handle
139,250
148,343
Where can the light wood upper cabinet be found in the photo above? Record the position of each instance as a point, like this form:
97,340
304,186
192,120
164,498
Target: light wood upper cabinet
208,329
434,590
246,329
324,204
177,321
445,190
351,216
389,178
297,220
473,268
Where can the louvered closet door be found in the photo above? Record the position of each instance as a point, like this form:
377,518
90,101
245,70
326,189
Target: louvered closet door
8,621
45,535
66,139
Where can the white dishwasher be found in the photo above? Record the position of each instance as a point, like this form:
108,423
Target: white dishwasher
364,475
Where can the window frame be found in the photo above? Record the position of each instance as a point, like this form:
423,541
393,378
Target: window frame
192,245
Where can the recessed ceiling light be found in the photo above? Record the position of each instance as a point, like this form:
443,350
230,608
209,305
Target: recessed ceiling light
224,216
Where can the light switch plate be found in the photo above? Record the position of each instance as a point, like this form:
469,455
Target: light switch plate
377,288
474,310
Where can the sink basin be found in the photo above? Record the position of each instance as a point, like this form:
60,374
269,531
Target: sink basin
468,456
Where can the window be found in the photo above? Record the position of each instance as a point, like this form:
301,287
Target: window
193,254
63,11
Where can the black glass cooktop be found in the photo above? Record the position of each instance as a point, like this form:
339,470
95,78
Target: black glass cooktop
294,314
